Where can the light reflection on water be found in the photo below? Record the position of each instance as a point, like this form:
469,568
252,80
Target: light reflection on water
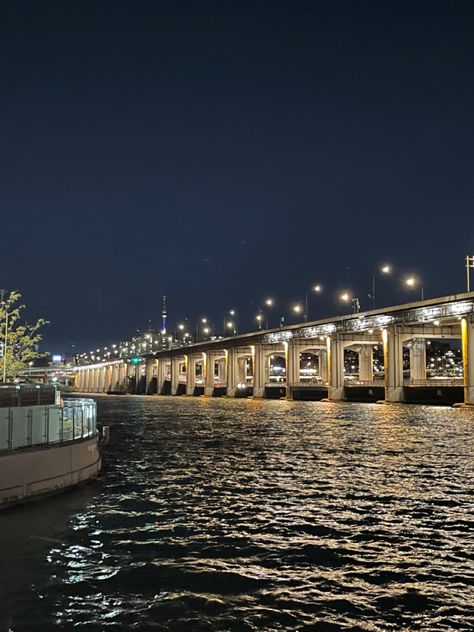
246,514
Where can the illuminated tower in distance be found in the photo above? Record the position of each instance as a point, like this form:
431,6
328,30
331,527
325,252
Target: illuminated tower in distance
163,316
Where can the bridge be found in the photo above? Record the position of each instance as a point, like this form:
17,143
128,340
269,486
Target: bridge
241,365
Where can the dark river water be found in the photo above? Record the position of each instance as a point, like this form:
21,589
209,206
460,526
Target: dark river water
222,514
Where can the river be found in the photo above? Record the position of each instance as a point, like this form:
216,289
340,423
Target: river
224,514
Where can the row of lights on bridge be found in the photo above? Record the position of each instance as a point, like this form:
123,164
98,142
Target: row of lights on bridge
203,327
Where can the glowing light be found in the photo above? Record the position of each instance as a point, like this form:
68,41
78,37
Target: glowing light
345,296
410,281
386,268
318,288
297,309
270,302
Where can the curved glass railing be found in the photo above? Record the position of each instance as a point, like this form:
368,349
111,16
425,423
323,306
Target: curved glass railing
39,425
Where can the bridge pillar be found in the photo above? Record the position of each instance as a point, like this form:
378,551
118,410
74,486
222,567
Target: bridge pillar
393,364
221,370
335,351
121,378
161,375
113,378
138,377
150,364
94,380
323,365
175,362
87,380
242,371
209,371
232,372
190,360
467,338
418,359
108,378
366,363
292,362
259,362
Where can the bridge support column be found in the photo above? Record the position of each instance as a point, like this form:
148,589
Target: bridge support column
108,378
149,368
221,371
121,378
232,372
259,361
242,371
323,365
366,363
393,364
335,351
292,361
190,374
175,361
418,359
467,338
96,380
138,378
161,374
113,378
209,370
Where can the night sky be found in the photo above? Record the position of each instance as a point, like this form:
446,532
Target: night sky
220,152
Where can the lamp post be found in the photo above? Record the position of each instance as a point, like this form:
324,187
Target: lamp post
225,322
469,265
345,297
385,269
298,309
412,282
318,288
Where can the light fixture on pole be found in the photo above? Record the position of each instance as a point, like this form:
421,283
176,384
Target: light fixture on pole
385,270
469,265
298,309
345,297
318,288
413,282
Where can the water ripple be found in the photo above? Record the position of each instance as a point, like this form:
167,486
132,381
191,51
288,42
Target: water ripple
252,515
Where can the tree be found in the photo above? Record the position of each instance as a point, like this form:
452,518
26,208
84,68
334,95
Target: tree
20,339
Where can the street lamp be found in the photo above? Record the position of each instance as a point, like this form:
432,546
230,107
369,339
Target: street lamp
469,265
412,282
384,270
298,309
225,323
259,319
318,288
345,297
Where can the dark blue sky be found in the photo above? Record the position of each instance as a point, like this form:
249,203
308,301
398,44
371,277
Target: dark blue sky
221,151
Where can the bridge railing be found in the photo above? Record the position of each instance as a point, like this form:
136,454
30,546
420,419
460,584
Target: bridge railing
435,381
33,426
